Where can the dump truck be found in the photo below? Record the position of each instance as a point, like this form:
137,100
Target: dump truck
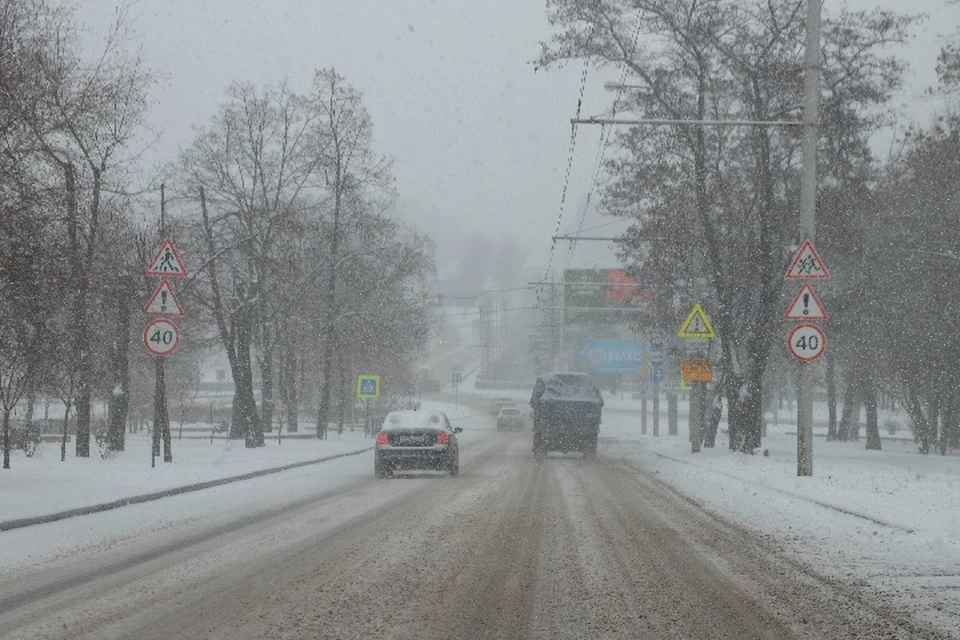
566,414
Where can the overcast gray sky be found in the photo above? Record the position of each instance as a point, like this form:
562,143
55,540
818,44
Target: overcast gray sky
479,140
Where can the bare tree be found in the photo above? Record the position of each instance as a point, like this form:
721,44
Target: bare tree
80,118
252,168
351,169
736,186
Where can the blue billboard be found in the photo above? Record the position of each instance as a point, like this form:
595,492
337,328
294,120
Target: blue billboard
613,355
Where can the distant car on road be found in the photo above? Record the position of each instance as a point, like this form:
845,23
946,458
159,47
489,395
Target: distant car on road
431,386
498,403
416,440
510,418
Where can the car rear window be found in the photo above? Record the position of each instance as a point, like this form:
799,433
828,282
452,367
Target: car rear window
414,420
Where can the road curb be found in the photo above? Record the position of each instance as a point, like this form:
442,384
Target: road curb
166,493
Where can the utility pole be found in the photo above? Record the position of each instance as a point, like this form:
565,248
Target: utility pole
161,418
808,221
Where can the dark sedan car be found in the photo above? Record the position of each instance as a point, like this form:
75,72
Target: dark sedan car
416,440
510,418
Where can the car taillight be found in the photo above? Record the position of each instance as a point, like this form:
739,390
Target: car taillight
443,437
499,416
382,438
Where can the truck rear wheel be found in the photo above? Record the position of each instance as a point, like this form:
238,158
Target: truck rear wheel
590,450
539,451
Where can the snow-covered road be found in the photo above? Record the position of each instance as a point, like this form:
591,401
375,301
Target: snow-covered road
510,549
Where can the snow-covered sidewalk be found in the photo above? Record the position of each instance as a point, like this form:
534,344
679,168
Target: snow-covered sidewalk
44,485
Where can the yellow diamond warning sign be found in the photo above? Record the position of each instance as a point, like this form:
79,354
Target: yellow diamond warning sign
697,324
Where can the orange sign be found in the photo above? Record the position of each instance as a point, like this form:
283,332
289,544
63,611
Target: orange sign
697,371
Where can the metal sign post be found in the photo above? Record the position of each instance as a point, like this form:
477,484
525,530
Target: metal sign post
456,378
161,336
367,427
697,369
806,342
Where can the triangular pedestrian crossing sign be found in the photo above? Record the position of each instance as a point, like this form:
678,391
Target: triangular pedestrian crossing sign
167,262
806,306
697,325
163,302
807,264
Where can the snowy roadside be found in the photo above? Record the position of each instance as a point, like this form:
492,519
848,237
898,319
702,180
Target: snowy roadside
886,520
43,485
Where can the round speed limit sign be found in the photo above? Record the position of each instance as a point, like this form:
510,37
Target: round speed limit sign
807,342
161,337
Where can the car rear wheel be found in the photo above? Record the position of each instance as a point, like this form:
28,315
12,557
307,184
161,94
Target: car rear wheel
454,467
381,470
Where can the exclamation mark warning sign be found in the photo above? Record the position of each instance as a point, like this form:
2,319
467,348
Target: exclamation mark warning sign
806,306
163,302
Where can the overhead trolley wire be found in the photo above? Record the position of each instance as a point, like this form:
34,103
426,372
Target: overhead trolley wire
566,179
604,140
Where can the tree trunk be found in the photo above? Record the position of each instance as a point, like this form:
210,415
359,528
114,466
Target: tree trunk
344,395
292,390
330,327
6,438
266,386
851,406
734,420
869,391
713,425
672,426
31,401
323,414
752,415
119,403
748,422
66,425
950,429
244,399
82,447
831,396
80,349
235,337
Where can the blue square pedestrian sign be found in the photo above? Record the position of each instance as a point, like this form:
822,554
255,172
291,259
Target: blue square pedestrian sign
368,387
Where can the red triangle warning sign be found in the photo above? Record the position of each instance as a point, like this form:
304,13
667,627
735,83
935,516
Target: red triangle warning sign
806,306
167,262
807,265
163,302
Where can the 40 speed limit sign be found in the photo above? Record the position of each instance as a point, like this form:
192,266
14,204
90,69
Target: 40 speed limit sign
161,337
807,342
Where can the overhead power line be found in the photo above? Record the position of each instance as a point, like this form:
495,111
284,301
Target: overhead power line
604,141
566,178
